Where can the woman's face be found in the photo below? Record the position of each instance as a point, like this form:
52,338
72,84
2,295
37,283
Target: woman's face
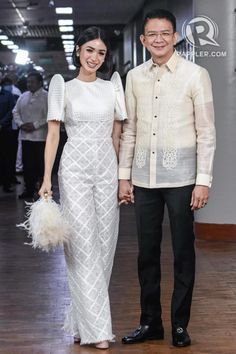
92,55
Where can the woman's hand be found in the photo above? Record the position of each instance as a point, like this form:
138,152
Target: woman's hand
45,189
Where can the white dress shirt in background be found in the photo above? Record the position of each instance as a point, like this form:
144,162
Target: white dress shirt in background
32,108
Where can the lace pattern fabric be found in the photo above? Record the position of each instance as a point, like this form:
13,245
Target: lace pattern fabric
141,156
88,195
170,157
93,214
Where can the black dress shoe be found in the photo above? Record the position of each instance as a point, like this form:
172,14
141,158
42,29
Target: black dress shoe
180,337
77,340
143,333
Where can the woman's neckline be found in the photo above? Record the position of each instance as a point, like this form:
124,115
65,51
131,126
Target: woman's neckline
86,82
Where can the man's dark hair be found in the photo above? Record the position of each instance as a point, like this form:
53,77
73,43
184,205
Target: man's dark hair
6,81
90,34
160,14
37,75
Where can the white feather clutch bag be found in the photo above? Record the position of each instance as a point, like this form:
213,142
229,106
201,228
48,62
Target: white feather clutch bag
45,225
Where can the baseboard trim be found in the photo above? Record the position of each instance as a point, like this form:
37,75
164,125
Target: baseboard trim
215,232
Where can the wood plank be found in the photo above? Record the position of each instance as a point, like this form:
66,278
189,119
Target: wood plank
215,232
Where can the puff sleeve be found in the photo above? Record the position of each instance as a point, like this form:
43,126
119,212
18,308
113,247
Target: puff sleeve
56,99
120,108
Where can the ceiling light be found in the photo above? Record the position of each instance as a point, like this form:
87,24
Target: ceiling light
38,68
69,60
67,36
68,50
68,42
13,46
7,42
66,28
64,10
68,46
3,37
65,22
71,67
22,57
51,3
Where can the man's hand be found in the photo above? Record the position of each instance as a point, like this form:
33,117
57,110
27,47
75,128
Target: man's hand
125,192
199,197
27,127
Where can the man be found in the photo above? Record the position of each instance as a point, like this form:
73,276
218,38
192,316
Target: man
30,114
168,142
11,74
7,85
6,106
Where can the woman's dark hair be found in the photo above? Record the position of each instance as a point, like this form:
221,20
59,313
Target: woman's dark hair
90,34
160,14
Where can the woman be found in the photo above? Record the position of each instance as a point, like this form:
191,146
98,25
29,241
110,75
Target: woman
92,110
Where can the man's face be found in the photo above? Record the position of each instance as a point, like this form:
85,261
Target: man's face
33,84
159,39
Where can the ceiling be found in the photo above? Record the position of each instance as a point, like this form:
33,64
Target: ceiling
33,25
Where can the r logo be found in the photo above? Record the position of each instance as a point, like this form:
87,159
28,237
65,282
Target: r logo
200,31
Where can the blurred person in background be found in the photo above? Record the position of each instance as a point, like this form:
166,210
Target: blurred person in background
7,103
30,114
18,87
8,85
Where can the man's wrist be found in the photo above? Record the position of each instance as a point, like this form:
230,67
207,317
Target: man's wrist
203,180
124,173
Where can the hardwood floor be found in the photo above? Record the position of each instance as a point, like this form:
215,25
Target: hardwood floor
34,293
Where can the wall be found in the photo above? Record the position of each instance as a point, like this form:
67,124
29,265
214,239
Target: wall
221,208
